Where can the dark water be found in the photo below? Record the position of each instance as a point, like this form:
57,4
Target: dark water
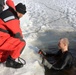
64,72
48,41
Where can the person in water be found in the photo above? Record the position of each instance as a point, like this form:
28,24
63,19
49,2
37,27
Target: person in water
65,58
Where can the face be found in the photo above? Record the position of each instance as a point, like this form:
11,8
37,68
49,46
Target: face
61,45
19,15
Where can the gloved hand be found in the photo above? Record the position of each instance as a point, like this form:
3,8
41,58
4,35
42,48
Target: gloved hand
44,61
41,52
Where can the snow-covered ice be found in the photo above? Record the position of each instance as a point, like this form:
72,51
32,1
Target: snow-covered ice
45,22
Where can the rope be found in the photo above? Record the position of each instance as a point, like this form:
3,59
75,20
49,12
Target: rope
21,59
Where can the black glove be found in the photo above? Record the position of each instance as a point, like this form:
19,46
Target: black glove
41,52
17,35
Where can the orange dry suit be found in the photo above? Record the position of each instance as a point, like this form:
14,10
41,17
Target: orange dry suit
11,39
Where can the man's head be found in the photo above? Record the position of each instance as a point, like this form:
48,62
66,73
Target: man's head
21,9
63,44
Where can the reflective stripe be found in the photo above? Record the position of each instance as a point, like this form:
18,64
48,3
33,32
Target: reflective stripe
9,18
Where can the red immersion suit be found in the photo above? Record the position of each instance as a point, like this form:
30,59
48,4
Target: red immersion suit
11,39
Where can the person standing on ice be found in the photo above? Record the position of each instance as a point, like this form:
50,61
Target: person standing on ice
11,38
1,5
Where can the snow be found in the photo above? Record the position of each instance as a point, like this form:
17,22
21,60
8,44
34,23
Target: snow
32,66
45,22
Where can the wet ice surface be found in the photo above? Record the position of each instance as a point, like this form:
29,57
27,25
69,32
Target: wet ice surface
48,42
44,24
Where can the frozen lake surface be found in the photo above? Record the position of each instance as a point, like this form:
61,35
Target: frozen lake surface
44,24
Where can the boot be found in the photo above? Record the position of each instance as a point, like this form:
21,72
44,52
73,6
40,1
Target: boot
10,62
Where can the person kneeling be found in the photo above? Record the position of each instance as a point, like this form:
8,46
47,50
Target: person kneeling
11,38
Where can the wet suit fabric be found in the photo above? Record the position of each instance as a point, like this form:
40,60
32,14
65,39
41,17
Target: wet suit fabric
64,60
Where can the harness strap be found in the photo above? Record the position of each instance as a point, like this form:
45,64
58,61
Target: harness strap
5,31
